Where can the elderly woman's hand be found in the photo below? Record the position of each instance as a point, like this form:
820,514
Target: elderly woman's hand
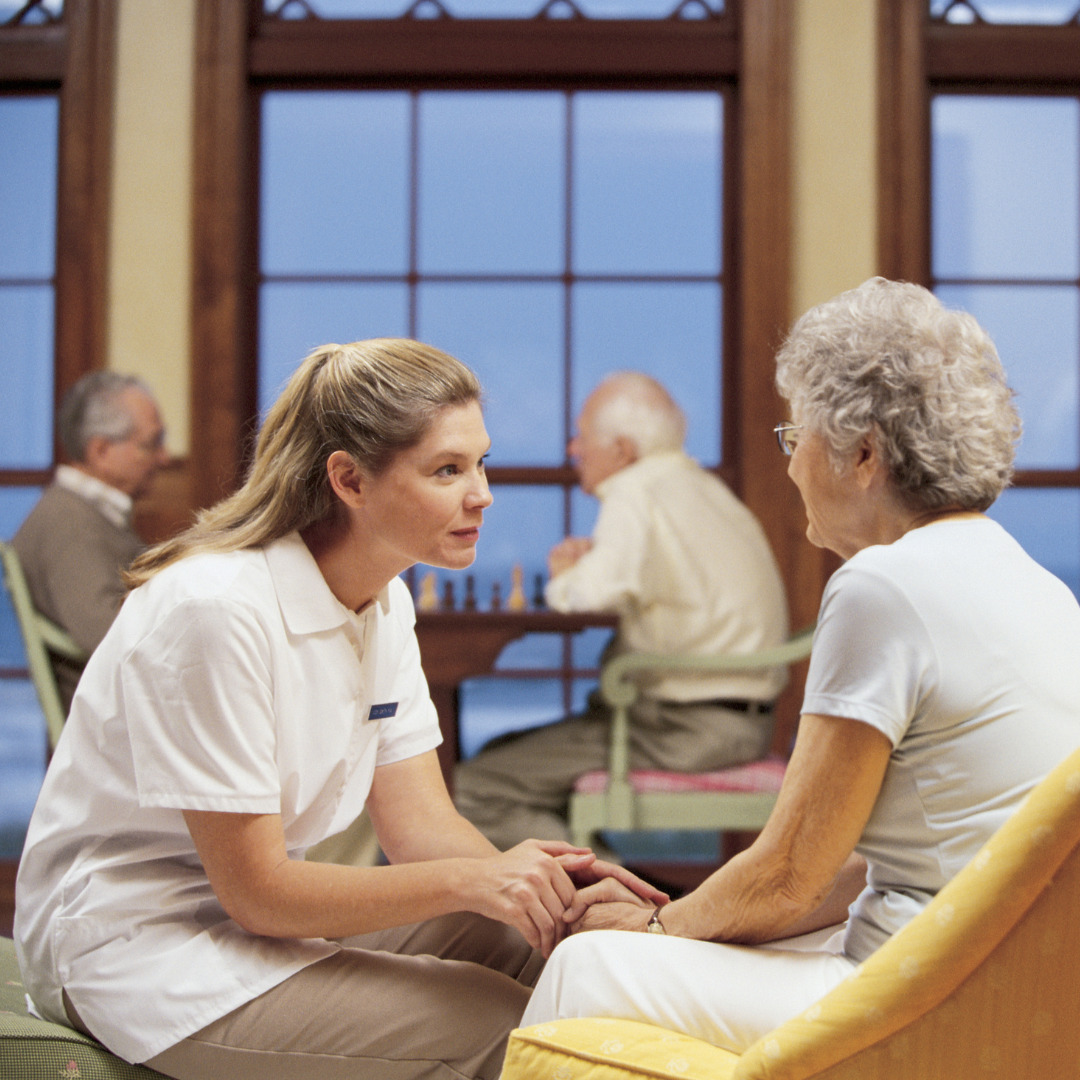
609,905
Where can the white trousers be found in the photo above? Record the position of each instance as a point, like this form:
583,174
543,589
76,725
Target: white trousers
728,995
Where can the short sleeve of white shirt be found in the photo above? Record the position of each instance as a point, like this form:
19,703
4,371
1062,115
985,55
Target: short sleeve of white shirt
199,694
873,660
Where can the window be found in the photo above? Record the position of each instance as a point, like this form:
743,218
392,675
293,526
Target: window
557,84
1002,226
54,117
546,236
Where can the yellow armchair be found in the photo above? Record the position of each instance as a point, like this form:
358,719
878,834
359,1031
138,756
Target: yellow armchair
984,983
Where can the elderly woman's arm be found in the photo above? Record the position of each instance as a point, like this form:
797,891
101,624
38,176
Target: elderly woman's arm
801,859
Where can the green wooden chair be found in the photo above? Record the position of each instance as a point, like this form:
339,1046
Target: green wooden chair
738,799
40,639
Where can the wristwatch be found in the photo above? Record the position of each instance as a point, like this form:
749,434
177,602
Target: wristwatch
654,925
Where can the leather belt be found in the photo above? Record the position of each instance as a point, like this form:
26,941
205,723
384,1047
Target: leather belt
761,708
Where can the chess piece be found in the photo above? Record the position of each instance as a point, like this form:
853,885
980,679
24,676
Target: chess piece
448,601
496,596
538,592
516,600
470,592
429,599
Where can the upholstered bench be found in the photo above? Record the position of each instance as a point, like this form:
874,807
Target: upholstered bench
31,1049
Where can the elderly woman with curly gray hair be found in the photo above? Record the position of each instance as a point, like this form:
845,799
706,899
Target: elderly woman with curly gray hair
943,686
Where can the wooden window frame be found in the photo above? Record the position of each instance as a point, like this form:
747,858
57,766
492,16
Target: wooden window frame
233,47
74,58
916,55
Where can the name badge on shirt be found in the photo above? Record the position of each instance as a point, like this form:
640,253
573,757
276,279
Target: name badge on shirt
383,712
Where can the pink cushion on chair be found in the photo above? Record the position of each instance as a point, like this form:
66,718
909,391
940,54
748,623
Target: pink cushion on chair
757,776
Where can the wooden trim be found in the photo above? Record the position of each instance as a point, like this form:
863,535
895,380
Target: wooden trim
764,246
764,223
222,386
25,477
1019,54
85,171
526,50
903,143
33,54
1047,478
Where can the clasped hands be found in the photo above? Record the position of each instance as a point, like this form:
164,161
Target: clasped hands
551,888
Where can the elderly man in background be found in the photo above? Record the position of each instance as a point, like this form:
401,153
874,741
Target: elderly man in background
78,539
687,568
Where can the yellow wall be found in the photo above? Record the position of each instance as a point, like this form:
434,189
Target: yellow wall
833,163
150,235
834,191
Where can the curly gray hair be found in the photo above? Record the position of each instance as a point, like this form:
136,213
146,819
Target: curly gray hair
888,359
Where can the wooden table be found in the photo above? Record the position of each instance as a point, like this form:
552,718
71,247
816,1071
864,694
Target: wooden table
458,645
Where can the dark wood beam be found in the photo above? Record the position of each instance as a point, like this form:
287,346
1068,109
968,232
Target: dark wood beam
525,50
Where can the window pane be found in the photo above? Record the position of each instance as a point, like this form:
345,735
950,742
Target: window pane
584,510
491,183
646,183
27,186
15,504
520,528
488,708
1050,12
296,318
1037,333
532,650
335,182
1046,522
22,762
34,16
511,336
1005,183
669,331
26,373
588,646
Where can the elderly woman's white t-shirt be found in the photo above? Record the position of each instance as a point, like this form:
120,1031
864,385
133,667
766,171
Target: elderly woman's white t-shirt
232,682
963,651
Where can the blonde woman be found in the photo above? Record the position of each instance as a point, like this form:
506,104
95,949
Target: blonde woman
260,686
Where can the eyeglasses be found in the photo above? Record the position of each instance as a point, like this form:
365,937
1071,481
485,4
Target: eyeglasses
786,437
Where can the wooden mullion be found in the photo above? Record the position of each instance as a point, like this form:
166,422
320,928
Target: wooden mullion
222,375
903,143
85,171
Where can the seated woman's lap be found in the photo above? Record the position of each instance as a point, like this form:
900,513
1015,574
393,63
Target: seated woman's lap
435,1000
728,995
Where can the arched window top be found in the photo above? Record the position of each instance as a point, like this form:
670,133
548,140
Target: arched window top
1006,12
632,10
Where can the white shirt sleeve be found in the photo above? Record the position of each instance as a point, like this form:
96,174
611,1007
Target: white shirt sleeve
198,698
872,659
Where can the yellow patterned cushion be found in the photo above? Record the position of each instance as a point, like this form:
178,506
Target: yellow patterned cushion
599,1049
